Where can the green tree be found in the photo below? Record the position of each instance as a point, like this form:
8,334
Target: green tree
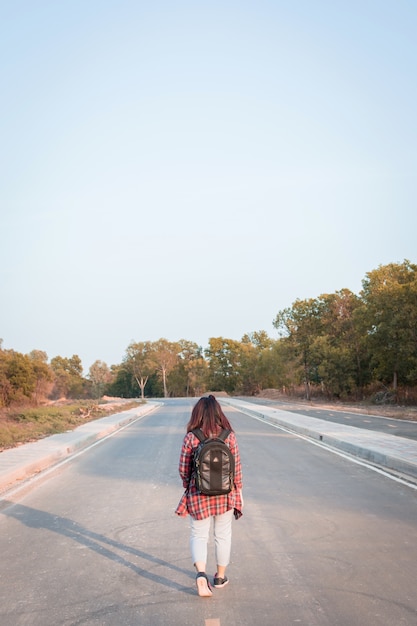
390,297
339,350
154,388
100,376
43,375
165,354
122,384
301,324
192,368
255,365
278,367
259,339
335,367
223,357
141,362
247,363
69,381
17,377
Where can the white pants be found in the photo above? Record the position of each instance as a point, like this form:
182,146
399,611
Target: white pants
222,530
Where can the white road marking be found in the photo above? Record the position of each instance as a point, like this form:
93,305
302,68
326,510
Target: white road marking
345,455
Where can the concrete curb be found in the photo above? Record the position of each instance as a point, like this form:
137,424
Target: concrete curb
20,464
396,454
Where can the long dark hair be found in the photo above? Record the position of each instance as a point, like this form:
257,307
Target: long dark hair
207,414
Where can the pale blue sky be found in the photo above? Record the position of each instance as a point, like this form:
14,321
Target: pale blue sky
188,169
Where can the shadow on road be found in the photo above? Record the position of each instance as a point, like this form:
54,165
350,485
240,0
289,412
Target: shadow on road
105,547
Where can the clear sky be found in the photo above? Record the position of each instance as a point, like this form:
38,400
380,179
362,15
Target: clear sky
188,169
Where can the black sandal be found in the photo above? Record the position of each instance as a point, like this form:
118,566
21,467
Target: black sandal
203,585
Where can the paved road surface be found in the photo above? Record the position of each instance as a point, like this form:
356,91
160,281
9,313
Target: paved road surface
323,541
398,427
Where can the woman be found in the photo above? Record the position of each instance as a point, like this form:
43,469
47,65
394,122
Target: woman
209,417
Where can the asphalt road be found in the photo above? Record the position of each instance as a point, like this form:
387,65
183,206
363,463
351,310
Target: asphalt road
323,541
390,426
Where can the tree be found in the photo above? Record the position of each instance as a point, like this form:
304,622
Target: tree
68,376
339,349
278,367
165,354
122,385
194,366
100,376
247,363
259,338
43,375
223,357
17,377
390,297
140,361
254,348
301,324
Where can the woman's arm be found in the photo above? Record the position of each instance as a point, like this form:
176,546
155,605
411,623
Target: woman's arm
234,448
186,460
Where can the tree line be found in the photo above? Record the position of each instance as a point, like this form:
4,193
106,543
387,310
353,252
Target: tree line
339,345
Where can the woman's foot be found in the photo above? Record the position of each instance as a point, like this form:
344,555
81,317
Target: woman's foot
220,582
203,585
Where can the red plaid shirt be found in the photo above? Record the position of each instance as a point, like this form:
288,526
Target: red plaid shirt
196,504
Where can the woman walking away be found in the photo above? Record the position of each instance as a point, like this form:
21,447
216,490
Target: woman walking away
208,416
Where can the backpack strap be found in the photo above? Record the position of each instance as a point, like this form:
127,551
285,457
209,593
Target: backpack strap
199,434
224,434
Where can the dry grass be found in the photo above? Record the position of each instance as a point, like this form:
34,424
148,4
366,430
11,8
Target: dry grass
23,425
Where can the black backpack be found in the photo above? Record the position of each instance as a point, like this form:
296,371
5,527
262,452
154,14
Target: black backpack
214,464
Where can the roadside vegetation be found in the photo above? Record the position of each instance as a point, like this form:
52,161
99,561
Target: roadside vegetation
23,425
339,347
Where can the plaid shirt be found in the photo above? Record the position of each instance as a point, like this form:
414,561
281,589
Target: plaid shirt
196,504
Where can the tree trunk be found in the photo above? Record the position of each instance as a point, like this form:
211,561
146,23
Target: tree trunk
307,389
306,380
142,383
164,380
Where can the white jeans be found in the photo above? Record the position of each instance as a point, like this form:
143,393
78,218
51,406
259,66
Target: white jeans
222,530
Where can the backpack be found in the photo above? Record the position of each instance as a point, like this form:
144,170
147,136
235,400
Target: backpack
214,464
